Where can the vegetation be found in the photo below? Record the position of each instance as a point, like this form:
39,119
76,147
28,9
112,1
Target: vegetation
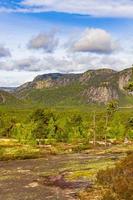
32,132
67,126
129,87
79,89
82,128
8,99
118,181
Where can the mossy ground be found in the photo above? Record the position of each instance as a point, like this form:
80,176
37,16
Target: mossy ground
11,149
23,174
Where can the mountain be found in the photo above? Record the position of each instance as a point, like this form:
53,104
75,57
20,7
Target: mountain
8,89
7,98
50,80
94,86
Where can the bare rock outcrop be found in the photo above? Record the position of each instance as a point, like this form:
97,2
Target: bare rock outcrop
101,94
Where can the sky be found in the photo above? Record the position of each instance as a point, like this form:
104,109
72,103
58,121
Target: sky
73,36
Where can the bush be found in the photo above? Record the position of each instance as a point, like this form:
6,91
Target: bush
129,87
118,180
24,133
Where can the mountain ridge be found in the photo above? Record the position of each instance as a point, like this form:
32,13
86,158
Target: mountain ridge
93,86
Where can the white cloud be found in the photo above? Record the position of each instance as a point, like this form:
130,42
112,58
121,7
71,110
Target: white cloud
96,8
31,64
46,41
4,52
99,8
15,78
95,41
27,64
16,72
69,63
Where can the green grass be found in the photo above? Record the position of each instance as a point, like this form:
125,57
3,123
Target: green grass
80,171
10,150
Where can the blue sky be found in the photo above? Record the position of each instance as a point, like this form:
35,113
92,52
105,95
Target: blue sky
42,36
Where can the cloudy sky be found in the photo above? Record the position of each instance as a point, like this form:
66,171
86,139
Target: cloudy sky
43,36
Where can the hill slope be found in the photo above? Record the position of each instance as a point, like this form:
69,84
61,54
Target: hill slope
7,98
93,86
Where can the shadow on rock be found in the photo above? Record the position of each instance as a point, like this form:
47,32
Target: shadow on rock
60,181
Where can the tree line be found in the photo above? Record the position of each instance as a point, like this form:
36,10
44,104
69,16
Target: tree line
69,126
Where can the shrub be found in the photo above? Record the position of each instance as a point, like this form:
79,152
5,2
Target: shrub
118,180
24,133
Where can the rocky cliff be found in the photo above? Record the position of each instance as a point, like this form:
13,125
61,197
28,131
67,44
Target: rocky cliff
97,86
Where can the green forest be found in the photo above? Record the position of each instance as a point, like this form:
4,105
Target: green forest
47,125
